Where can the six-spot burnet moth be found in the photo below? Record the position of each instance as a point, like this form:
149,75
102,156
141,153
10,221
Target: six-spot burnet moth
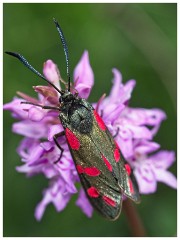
103,172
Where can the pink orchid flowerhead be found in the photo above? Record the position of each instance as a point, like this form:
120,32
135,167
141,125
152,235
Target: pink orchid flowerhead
134,137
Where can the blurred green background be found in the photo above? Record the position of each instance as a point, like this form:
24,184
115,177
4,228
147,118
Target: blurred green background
138,39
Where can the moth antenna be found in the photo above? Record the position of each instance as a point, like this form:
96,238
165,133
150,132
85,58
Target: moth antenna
63,40
29,66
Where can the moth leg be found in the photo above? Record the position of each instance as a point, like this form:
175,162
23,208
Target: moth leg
115,135
44,107
55,137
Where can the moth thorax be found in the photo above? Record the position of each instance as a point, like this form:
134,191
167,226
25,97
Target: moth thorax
80,119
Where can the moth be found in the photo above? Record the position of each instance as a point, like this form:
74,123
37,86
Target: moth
105,176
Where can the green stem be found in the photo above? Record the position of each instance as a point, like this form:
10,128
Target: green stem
134,219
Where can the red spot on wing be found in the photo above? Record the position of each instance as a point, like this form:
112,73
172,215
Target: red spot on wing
99,121
109,201
93,192
80,169
109,166
116,154
131,186
128,169
72,139
92,171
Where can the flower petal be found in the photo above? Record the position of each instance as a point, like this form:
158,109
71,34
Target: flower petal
141,116
48,93
83,90
67,177
126,146
145,147
54,129
166,177
35,154
84,203
120,93
26,146
163,159
30,129
128,88
51,72
61,200
36,114
55,194
146,180
41,207
140,132
116,90
49,172
27,97
83,76
112,112
17,108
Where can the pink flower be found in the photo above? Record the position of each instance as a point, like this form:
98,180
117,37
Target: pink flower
135,128
83,76
152,169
